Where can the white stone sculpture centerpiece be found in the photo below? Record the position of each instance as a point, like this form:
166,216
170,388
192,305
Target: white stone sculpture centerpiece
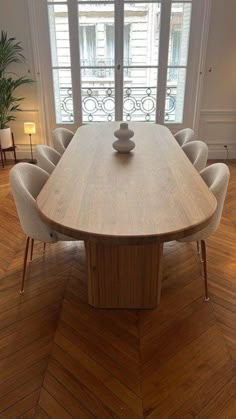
123,144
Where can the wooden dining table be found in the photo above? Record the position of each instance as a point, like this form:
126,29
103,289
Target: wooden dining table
124,207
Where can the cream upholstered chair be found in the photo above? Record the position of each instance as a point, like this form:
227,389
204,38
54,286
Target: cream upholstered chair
26,182
47,158
184,136
61,139
197,152
216,177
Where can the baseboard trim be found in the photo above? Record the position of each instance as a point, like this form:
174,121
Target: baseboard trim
23,151
219,152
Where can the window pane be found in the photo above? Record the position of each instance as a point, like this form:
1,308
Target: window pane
98,99
175,92
87,34
96,40
59,35
96,36
141,33
140,90
60,52
63,96
179,34
127,30
109,44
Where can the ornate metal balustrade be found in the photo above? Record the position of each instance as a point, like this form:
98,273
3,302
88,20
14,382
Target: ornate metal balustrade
170,110
66,100
98,104
139,104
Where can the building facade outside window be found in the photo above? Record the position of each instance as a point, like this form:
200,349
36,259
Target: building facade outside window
141,37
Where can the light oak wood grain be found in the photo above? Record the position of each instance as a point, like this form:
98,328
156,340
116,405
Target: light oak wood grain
153,193
124,207
124,276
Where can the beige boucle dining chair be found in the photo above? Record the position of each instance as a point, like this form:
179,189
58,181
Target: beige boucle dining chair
197,152
216,177
184,136
26,182
61,139
47,158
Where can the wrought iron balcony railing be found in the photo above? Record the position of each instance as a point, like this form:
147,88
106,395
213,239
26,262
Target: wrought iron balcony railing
98,103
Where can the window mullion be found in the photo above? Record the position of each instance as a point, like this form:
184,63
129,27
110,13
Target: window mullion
119,35
75,60
163,60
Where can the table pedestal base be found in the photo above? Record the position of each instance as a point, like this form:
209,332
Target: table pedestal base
124,276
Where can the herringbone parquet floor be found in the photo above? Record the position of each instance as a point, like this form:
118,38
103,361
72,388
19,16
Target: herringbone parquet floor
60,358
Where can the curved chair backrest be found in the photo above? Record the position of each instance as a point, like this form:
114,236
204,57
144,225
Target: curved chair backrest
216,177
184,136
197,152
26,182
61,139
47,158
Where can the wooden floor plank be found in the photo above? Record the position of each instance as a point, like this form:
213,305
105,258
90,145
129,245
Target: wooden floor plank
30,414
23,406
91,376
222,402
60,358
20,392
79,392
39,412
51,406
59,392
177,380
15,381
207,395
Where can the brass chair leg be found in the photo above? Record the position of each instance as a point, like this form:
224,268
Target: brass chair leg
44,247
31,250
204,262
198,248
25,265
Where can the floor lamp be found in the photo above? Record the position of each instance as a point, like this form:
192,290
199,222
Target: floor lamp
30,128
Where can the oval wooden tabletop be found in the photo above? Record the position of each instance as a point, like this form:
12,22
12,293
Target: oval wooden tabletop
152,193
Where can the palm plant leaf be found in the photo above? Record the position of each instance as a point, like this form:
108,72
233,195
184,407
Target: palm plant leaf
10,52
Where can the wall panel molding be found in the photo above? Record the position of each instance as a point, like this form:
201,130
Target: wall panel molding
29,110
218,112
202,64
220,121
217,129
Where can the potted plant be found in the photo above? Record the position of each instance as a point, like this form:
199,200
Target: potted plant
10,53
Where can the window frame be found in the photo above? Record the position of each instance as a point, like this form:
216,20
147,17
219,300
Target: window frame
39,19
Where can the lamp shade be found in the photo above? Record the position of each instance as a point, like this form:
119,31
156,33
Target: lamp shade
29,128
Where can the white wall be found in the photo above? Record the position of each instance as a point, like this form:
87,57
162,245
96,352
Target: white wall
218,110
14,19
